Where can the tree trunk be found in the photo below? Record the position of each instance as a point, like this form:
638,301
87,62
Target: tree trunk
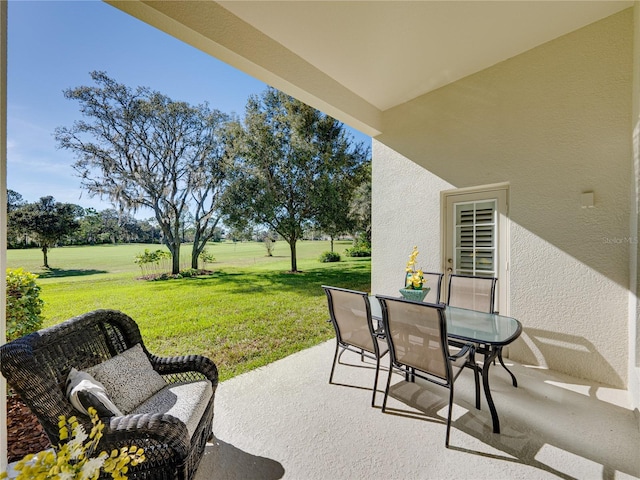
294,260
198,246
331,237
175,257
45,249
194,258
175,267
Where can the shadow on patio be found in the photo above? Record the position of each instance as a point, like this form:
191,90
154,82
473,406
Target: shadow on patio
286,421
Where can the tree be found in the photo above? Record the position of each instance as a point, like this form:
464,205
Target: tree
283,153
142,149
48,221
337,191
14,201
90,226
110,225
360,208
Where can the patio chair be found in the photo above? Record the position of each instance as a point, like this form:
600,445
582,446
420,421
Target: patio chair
417,338
476,293
472,292
173,425
350,314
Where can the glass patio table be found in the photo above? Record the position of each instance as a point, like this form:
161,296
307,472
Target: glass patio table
489,331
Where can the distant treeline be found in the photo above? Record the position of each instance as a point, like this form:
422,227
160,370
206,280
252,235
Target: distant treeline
69,224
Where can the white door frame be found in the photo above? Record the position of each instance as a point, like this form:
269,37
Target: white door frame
493,191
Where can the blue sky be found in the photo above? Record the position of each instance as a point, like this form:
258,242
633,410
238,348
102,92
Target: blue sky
53,45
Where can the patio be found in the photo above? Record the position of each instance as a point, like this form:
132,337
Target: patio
286,421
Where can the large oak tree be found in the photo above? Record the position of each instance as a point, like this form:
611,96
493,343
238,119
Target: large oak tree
139,148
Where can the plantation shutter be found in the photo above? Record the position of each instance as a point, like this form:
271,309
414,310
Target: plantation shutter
475,238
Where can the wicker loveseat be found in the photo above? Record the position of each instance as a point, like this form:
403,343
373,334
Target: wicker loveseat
37,366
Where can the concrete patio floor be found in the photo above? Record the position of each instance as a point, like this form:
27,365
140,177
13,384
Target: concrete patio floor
286,421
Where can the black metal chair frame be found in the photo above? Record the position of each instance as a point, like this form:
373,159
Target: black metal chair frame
37,365
439,284
492,309
342,345
411,371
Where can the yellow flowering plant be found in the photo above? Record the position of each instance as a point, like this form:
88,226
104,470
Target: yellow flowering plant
415,279
75,459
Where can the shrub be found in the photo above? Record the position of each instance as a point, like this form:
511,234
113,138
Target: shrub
206,257
358,251
156,258
23,303
189,272
327,257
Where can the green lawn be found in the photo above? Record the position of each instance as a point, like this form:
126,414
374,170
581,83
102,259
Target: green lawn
250,312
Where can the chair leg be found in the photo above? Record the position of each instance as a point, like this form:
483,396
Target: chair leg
333,366
446,442
513,377
476,376
386,390
375,382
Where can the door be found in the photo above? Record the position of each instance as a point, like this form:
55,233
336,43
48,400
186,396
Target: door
475,236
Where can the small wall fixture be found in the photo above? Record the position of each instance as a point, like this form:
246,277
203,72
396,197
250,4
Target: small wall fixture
587,200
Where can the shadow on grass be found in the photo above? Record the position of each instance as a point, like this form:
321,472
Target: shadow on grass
60,272
355,275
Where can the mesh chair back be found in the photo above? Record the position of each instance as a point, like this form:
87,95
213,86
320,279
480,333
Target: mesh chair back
473,293
434,282
416,334
351,317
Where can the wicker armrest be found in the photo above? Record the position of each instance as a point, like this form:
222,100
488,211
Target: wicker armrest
138,429
186,364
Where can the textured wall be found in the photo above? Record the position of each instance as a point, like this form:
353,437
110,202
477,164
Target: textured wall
554,122
405,212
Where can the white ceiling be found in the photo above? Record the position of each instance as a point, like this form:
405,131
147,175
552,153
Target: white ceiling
389,52
356,59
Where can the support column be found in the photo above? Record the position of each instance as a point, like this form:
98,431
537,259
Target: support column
634,231
3,224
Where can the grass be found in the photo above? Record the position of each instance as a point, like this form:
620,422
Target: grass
248,313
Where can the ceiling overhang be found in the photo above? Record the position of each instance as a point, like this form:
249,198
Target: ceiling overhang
355,59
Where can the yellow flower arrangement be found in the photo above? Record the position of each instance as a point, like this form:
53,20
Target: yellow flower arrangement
415,279
75,459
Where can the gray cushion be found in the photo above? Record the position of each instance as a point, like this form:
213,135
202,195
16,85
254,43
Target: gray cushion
84,391
185,401
128,378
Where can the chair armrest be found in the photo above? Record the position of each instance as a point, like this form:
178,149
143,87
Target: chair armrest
186,364
138,429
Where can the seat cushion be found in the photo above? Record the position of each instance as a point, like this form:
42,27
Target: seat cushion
129,378
186,401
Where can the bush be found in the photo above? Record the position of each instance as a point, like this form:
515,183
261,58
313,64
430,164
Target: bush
358,251
23,303
155,258
190,272
327,257
206,257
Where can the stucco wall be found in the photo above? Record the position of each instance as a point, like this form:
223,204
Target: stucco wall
554,122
